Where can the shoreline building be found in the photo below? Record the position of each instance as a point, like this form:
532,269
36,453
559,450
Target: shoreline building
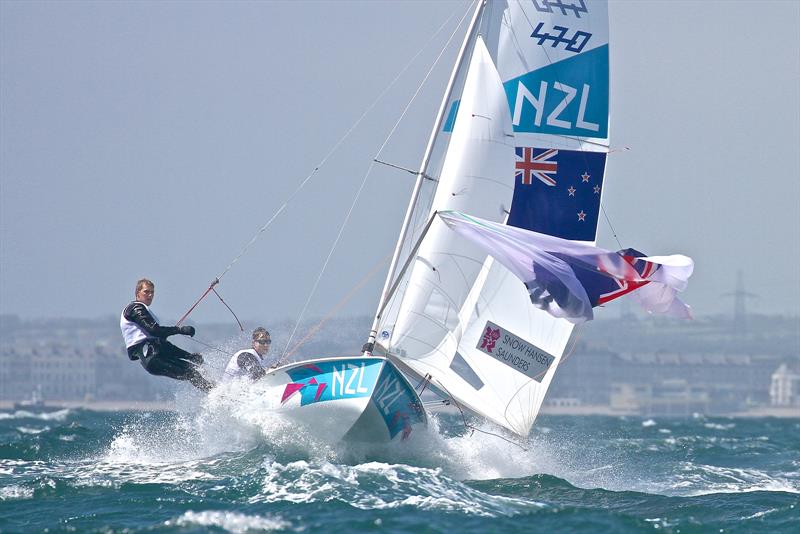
785,387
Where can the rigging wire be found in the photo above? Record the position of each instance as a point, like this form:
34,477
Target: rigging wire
472,427
324,160
328,258
422,83
608,220
366,177
338,306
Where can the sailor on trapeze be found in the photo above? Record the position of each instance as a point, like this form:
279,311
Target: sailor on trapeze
146,341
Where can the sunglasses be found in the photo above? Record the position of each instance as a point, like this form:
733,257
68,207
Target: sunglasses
264,341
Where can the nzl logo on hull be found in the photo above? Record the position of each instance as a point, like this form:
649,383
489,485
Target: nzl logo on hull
327,381
396,403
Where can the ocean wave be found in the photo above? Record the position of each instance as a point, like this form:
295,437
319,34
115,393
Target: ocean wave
378,486
699,479
58,415
227,468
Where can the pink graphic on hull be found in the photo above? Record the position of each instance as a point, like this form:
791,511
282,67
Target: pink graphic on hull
294,387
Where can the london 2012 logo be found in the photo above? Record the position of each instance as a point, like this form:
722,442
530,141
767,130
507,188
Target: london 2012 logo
490,337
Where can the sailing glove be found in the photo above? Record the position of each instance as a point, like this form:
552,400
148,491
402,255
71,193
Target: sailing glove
186,330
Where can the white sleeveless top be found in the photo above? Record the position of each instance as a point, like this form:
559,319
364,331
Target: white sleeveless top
131,331
233,370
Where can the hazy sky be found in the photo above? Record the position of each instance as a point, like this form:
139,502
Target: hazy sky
155,138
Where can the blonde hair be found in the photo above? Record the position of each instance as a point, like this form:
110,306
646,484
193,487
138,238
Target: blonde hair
142,283
260,332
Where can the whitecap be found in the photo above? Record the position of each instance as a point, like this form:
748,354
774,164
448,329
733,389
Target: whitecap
30,430
701,479
230,521
15,492
378,485
758,514
718,426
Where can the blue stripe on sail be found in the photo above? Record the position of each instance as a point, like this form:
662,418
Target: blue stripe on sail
569,97
451,116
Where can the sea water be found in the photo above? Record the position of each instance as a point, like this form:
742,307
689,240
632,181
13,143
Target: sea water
221,467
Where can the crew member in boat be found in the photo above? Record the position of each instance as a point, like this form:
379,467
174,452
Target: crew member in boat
251,362
146,341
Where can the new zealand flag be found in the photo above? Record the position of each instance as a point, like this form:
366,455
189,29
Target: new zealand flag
557,192
600,288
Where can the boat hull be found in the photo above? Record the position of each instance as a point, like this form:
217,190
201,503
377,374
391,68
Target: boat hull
363,399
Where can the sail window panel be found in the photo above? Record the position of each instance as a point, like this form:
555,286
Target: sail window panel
440,309
419,337
460,367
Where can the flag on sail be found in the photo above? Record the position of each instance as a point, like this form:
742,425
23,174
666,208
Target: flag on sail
540,166
567,279
557,192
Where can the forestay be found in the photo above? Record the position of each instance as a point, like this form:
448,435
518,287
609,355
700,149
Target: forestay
525,145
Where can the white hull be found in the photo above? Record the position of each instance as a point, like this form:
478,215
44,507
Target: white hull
364,399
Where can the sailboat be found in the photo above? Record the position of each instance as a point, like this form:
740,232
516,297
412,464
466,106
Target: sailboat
494,264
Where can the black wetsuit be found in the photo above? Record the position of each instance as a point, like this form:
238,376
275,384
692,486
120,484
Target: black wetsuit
159,356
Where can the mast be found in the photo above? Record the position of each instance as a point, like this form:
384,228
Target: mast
468,38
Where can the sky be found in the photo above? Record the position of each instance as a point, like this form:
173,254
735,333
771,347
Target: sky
155,139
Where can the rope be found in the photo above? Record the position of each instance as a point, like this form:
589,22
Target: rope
423,385
185,315
229,309
572,349
474,428
613,232
208,345
207,291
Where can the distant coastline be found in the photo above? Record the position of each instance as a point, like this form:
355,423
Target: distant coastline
149,406
761,411
98,406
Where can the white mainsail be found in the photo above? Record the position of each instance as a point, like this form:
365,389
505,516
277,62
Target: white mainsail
534,105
